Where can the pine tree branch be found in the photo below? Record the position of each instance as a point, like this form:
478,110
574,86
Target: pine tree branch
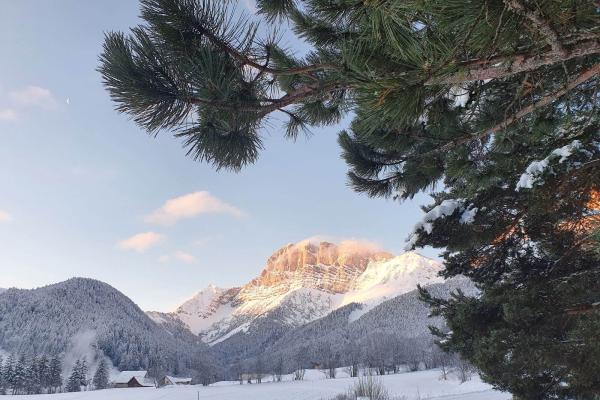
245,60
542,102
583,309
508,65
540,23
292,97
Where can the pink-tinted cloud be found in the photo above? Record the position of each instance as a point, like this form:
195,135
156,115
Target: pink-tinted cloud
8,114
141,242
191,205
33,96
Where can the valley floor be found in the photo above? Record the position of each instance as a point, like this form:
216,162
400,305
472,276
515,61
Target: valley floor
410,386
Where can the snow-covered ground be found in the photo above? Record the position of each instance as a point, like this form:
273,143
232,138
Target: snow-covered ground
410,386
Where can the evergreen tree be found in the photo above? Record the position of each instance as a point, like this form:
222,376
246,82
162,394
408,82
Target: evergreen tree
19,375
101,375
32,383
74,381
83,371
496,101
43,372
8,373
55,381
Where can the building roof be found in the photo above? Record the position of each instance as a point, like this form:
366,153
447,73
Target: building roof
143,381
175,379
125,376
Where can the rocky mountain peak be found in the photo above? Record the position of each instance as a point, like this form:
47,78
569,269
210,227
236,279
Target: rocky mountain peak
319,265
302,282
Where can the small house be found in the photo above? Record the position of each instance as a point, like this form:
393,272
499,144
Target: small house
129,379
172,380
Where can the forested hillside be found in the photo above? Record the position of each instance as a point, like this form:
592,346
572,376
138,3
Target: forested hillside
85,315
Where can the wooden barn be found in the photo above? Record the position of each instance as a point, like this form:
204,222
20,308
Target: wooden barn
172,380
131,379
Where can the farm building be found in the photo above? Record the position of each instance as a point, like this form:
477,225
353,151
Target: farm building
172,380
133,379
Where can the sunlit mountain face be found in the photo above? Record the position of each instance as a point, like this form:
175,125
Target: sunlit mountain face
302,282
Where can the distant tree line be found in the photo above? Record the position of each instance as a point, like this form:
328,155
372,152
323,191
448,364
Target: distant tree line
203,369
43,374
378,354
30,375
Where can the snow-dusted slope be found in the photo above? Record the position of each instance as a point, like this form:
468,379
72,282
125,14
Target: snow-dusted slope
388,279
206,308
83,316
304,282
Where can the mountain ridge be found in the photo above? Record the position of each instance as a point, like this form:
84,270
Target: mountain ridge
308,280
292,305
93,319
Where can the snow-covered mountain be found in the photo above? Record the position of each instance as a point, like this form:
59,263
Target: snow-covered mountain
307,297
301,283
403,316
87,317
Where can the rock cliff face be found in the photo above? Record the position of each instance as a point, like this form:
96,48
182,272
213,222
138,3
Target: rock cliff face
324,266
303,282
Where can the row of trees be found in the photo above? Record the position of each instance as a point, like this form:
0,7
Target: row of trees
380,354
30,375
78,379
202,368
43,374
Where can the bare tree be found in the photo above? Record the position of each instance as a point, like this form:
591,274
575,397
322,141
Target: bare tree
300,363
352,357
238,372
330,360
259,369
442,360
278,369
464,369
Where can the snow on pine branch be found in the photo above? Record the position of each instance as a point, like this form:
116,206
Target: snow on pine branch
536,169
459,96
444,209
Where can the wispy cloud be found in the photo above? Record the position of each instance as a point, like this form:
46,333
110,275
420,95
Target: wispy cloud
8,114
191,205
5,217
346,244
141,242
178,256
33,96
20,101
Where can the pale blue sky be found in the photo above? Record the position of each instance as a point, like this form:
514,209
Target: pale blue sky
77,179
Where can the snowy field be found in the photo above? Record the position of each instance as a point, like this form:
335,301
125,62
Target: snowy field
408,386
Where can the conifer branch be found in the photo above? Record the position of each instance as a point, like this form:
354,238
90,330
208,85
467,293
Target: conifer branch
542,102
246,60
540,23
507,65
583,309
302,93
